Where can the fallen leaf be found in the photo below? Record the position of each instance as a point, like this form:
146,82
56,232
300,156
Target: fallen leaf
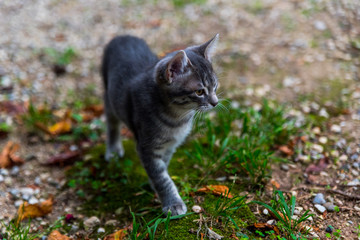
64,126
119,235
320,166
64,158
27,210
56,235
275,183
13,108
265,227
8,157
286,150
217,190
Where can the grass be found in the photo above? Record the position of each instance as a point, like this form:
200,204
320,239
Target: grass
236,141
284,211
20,231
241,141
61,58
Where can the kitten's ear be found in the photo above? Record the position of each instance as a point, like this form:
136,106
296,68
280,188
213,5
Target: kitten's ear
177,65
208,49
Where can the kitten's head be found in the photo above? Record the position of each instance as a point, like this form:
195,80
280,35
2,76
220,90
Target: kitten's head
188,78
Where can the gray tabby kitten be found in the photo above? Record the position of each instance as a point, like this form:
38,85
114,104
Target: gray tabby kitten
157,100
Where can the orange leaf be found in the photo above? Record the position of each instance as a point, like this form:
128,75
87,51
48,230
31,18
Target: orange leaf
267,227
119,235
63,126
275,183
286,150
56,235
217,190
27,210
8,157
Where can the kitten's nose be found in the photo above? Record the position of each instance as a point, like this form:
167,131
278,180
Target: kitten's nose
214,100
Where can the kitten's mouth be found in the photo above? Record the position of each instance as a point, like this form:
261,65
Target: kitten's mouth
204,108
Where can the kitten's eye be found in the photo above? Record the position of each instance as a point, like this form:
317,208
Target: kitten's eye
199,92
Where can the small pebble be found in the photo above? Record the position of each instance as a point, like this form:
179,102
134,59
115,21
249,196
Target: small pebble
355,173
196,208
91,223
320,25
284,167
335,128
350,222
1,178
15,170
323,140
343,157
4,172
111,222
354,182
18,203
271,222
37,180
357,208
320,208
101,230
319,199
354,157
329,206
356,165
329,229
318,148
266,212
33,200
221,179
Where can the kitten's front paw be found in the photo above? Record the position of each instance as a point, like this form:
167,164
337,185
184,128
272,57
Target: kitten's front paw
177,208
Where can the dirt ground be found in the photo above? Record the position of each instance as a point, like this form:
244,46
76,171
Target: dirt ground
285,50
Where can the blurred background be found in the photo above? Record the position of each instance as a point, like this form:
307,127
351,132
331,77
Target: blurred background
51,47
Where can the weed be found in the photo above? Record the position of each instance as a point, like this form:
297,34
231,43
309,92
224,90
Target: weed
241,141
182,3
284,212
256,7
37,115
147,230
15,231
226,207
61,58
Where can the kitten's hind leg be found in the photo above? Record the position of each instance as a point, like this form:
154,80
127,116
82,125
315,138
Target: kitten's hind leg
113,137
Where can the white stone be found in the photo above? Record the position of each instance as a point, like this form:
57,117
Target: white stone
343,157
196,208
335,128
318,148
101,230
323,140
91,222
266,212
320,25
320,208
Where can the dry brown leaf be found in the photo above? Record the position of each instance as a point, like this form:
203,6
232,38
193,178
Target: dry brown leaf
119,235
275,183
266,227
286,150
56,235
27,210
8,157
217,190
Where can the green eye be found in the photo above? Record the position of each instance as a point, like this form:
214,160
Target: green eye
199,92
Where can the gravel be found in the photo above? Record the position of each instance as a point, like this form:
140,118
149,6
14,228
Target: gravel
319,199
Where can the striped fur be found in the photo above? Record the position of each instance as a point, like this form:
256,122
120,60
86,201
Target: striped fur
157,100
